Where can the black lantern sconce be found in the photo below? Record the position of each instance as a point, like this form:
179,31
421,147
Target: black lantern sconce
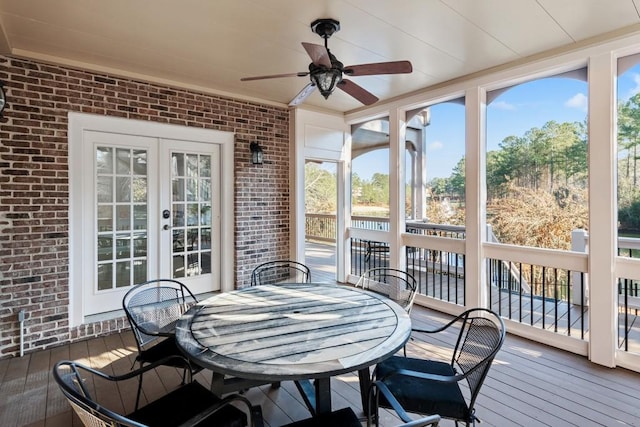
257,157
3,98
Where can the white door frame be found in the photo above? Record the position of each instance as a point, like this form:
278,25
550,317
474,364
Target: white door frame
78,124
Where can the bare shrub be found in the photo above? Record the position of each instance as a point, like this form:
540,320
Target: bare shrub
537,218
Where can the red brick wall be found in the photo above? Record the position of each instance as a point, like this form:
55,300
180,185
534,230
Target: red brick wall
34,186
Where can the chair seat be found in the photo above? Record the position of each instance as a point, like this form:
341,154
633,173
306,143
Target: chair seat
164,348
341,418
179,406
420,395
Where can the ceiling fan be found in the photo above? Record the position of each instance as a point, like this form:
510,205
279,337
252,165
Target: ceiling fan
326,72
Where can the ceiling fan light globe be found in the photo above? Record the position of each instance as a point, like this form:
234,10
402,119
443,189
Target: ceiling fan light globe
326,80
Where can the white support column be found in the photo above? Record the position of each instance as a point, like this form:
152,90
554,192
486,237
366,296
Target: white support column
343,242
416,184
296,189
422,172
476,293
397,136
602,209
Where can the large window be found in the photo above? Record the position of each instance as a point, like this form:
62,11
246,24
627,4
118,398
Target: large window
628,155
444,154
370,175
537,162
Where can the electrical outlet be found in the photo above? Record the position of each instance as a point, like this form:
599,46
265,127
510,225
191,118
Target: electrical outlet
21,316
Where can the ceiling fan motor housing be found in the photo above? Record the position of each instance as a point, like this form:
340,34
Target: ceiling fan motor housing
325,27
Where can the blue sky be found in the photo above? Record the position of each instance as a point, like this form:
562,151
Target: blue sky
512,113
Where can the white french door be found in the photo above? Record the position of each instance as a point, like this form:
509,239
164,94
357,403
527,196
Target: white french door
190,214
154,212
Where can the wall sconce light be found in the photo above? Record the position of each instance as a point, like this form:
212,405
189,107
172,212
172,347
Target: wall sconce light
3,98
257,157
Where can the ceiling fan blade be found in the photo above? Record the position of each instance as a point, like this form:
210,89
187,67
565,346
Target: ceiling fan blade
358,92
275,76
302,95
319,54
394,67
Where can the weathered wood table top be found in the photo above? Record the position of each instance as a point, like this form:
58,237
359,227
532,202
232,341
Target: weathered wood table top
294,332
289,332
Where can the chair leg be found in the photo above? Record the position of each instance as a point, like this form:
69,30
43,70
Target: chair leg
139,390
184,376
372,411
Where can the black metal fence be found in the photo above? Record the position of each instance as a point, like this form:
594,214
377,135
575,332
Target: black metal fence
539,296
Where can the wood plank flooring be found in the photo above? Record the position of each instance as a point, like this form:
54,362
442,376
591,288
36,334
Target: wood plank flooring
529,384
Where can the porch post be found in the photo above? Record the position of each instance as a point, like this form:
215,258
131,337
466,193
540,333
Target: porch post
476,292
397,133
602,209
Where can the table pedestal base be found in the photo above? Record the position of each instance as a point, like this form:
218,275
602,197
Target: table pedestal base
221,384
317,393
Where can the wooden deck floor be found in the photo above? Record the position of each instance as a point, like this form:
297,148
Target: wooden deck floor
529,384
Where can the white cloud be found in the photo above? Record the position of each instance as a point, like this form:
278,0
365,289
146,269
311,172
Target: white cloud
579,100
635,89
436,145
503,105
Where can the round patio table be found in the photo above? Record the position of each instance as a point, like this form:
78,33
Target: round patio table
294,332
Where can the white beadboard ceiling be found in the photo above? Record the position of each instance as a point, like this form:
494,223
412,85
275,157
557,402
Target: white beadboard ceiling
210,44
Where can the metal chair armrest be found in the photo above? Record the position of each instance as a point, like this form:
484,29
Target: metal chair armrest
254,412
137,372
431,420
382,387
426,376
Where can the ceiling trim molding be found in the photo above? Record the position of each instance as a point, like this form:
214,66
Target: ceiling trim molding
56,60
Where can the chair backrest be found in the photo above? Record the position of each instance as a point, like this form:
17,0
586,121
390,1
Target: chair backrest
482,333
397,285
75,388
282,271
154,307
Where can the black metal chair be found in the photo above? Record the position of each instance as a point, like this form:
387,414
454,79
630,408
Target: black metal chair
153,308
397,285
190,404
376,249
282,271
347,418
433,387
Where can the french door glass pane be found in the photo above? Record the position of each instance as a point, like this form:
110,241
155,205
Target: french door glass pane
191,199
121,207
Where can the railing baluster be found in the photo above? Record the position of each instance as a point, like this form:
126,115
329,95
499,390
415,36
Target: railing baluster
569,302
533,284
555,296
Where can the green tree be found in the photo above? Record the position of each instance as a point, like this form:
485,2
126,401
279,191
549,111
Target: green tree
439,188
549,157
320,189
629,136
457,180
